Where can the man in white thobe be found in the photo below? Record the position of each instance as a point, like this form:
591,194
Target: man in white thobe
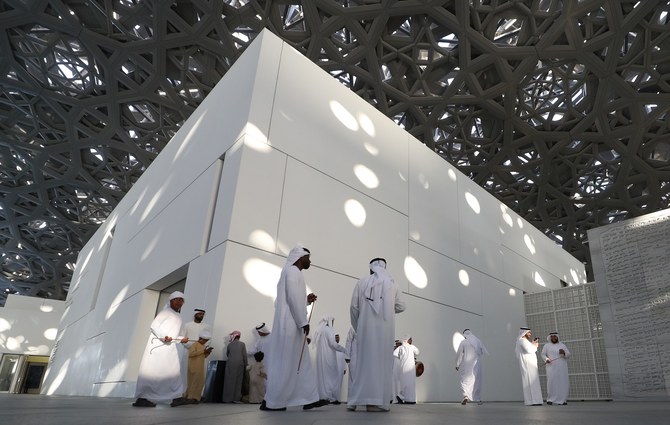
530,379
328,372
406,354
261,341
350,358
159,378
555,355
291,375
468,364
342,367
374,303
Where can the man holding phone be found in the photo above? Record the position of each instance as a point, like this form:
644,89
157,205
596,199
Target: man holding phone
530,378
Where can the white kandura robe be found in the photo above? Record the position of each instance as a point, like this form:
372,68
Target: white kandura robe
350,354
159,377
328,372
286,386
342,367
466,358
530,379
406,355
558,385
375,335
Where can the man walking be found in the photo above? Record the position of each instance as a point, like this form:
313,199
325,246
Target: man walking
374,303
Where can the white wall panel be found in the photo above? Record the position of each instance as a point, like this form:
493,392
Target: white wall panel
337,132
169,241
479,215
525,275
258,177
448,282
434,200
504,316
342,227
237,105
91,264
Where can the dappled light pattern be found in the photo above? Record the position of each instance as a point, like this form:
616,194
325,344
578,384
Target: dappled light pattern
262,276
561,112
262,239
415,273
366,176
355,212
464,277
456,339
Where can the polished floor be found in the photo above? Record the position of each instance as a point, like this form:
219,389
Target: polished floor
57,410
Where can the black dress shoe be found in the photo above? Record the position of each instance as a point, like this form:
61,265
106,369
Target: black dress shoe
266,408
143,402
336,402
549,403
317,403
179,401
399,400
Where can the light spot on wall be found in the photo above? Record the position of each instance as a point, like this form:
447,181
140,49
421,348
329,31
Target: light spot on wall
189,137
472,202
46,308
456,339
343,115
574,275
59,378
152,203
257,142
530,243
512,292
262,276
415,273
51,333
355,212
116,303
452,175
83,266
14,344
150,247
402,177
114,375
139,200
519,222
538,279
262,239
464,277
366,176
4,325
423,181
415,235
372,150
367,125
506,216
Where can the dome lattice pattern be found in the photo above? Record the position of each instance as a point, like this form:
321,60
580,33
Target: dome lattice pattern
558,108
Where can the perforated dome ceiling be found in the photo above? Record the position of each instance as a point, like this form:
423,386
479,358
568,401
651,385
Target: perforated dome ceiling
558,108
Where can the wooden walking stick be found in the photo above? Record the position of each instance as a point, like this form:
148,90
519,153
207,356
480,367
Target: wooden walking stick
309,319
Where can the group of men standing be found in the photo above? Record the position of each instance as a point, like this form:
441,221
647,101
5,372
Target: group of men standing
555,355
292,379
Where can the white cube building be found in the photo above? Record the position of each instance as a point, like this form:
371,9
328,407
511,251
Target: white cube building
281,153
